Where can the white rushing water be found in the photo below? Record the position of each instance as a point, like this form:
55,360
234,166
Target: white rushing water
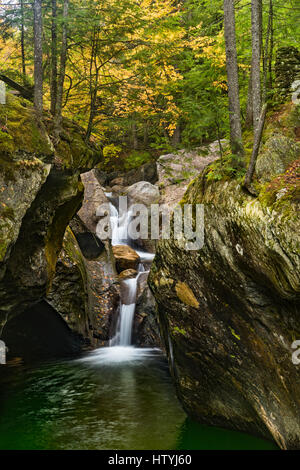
119,229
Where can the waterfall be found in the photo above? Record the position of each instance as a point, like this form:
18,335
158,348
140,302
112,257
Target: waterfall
125,322
119,229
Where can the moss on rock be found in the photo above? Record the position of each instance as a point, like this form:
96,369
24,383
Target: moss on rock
39,193
276,155
246,282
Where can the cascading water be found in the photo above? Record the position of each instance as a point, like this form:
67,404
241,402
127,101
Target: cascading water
119,230
125,322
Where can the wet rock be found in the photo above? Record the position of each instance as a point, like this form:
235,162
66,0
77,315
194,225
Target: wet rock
91,246
126,257
85,292
146,328
128,274
39,333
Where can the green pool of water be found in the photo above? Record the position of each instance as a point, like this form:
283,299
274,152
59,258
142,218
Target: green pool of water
96,403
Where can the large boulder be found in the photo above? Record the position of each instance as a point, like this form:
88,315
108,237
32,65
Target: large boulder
143,192
276,155
40,193
229,312
94,196
126,257
176,170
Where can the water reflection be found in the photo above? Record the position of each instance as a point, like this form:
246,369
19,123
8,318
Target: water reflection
98,402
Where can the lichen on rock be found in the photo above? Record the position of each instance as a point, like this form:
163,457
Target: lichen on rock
40,192
229,312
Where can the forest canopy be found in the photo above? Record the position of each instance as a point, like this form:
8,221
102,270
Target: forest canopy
142,74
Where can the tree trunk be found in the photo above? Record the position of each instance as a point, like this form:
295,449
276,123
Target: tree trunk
135,142
266,55
256,145
62,69
93,84
146,134
249,110
53,85
271,45
232,79
38,57
27,92
255,64
22,42
176,136
92,114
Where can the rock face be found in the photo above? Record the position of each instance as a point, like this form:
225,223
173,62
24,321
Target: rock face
230,312
287,69
146,172
146,329
68,292
40,193
86,290
175,171
126,257
277,154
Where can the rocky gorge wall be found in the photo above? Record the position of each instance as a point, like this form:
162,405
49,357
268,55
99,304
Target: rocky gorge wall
40,191
229,312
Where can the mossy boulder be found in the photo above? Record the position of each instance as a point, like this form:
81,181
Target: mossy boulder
276,155
229,312
21,132
40,191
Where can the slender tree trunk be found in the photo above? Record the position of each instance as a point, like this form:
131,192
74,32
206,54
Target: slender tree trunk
62,68
256,145
53,86
266,55
249,109
255,65
135,143
232,79
38,57
93,85
146,134
176,136
92,113
22,42
271,45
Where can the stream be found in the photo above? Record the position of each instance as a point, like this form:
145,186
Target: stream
103,401
116,397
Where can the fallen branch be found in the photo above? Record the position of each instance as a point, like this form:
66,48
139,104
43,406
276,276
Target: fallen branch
25,92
